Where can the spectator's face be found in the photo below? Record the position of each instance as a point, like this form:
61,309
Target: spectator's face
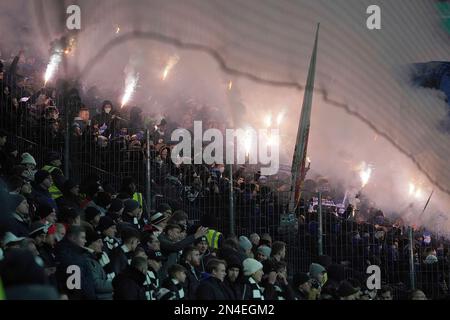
180,276
23,208
84,115
75,190
39,240
134,243
202,247
233,274
77,221
95,221
386,295
60,232
260,257
154,244
319,277
195,258
108,108
110,232
174,234
26,188
257,276
164,154
136,213
50,240
56,163
156,265
51,217
80,240
283,253
47,182
254,238
220,272
306,287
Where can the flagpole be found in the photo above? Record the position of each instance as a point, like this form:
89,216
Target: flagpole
428,201
298,170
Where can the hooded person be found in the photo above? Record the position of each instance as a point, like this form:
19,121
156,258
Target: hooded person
20,224
104,118
234,277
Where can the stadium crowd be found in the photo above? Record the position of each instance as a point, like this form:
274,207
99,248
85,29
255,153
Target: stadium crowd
88,237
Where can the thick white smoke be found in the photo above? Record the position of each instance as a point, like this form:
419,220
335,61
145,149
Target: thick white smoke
362,70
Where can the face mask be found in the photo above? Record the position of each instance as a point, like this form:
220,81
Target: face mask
107,110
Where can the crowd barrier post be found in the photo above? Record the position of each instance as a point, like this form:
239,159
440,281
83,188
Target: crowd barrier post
411,259
231,199
320,231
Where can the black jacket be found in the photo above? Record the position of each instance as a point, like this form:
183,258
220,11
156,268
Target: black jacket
69,254
18,227
193,278
120,259
129,285
213,289
236,288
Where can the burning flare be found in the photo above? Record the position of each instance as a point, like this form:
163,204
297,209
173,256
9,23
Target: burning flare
280,118
52,66
364,174
268,120
130,86
415,191
173,60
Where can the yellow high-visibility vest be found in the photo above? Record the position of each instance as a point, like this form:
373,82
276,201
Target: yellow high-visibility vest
137,196
213,238
54,191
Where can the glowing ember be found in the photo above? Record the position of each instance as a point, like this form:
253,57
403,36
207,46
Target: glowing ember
230,85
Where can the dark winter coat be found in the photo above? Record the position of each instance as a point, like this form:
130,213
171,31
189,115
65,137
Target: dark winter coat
213,289
129,285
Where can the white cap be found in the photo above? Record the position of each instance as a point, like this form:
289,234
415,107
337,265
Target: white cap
11,237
